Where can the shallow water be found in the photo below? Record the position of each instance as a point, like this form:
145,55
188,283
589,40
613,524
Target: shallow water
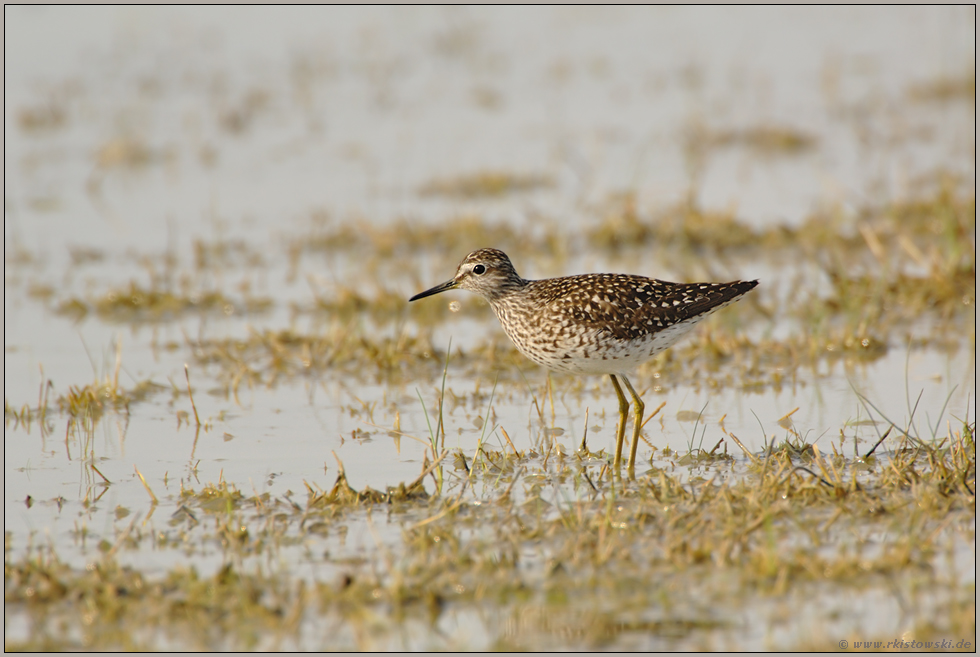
136,139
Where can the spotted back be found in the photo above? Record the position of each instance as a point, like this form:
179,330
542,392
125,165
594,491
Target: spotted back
627,307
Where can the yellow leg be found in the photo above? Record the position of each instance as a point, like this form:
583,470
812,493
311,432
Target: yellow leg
624,407
638,408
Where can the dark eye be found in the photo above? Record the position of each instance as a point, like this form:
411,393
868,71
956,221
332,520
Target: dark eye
479,269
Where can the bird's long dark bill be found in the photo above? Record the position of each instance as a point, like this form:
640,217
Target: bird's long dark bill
442,287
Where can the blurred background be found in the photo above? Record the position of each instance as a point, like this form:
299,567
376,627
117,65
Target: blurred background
135,126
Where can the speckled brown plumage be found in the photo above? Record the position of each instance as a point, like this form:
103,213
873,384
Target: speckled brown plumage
591,323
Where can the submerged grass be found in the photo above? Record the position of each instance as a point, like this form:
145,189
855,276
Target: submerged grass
484,184
459,234
538,553
906,265
890,275
765,140
136,304
948,88
717,355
